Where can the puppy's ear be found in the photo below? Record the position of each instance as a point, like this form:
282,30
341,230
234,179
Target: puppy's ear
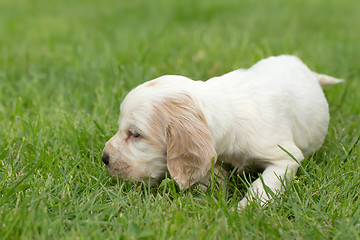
190,147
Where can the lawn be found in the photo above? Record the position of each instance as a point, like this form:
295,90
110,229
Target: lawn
66,65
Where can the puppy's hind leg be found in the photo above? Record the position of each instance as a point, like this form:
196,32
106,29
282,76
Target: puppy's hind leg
273,177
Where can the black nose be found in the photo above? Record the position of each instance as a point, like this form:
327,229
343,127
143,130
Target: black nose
105,158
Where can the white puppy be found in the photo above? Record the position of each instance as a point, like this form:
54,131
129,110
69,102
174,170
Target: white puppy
175,125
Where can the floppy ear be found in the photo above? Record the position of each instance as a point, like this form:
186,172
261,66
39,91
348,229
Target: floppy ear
190,147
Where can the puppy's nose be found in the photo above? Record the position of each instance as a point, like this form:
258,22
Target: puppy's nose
105,158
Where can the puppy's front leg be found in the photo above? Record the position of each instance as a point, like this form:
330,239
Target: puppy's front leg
273,177
220,174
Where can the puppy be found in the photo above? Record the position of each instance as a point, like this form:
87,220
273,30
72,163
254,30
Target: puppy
263,116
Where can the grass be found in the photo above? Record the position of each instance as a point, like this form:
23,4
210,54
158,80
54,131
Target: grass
65,66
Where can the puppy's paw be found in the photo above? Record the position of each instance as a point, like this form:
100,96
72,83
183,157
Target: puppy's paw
242,204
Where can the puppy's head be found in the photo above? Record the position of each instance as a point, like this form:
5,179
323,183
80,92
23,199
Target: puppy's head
161,129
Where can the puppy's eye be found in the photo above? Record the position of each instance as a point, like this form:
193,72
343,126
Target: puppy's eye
135,135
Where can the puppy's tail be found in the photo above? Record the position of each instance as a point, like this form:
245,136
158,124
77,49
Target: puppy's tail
326,80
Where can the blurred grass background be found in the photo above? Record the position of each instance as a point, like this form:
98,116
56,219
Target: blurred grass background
66,65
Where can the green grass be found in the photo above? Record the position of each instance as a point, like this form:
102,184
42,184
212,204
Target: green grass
65,66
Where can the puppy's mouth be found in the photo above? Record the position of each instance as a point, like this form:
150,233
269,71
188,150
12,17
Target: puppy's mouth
147,181
120,179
